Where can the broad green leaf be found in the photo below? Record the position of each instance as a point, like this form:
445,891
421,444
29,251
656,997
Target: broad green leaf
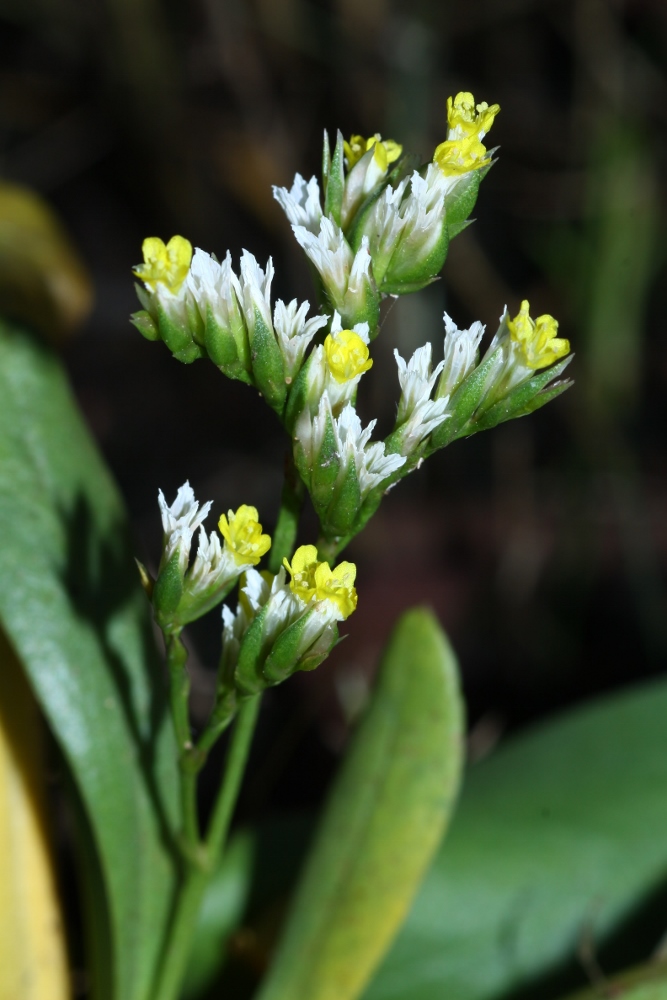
386,814
559,833
33,958
72,608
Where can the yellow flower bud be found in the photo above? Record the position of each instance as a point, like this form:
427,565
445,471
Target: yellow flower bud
167,265
347,355
243,536
537,339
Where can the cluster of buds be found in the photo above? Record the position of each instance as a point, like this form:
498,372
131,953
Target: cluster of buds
383,224
278,627
201,307
186,589
379,225
281,627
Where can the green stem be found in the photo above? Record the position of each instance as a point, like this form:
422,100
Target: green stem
179,941
291,502
179,686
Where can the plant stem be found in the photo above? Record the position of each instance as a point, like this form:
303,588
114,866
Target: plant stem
179,941
234,769
291,501
179,685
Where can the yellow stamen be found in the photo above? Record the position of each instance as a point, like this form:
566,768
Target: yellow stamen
465,120
242,533
347,355
537,339
167,265
313,579
386,151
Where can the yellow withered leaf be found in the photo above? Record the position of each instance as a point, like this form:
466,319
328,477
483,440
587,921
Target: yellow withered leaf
33,960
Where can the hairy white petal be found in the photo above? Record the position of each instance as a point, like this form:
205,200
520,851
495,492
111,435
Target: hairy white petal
179,523
461,348
302,203
330,252
256,289
294,332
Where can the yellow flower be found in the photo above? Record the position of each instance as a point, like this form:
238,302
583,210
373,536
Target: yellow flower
168,265
460,156
243,534
386,151
347,355
537,339
465,120
313,579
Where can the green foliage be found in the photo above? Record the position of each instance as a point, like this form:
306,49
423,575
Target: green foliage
72,607
385,816
556,835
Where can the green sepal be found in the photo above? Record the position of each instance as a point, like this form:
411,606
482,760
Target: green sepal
335,182
416,277
248,675
320,649
355,231
190,607
283,658
526,398
145,324
345,504
222,348
220,344
458,227
196,324
325,472
298,396
463,403
178,338
326,160
460,202
267,365
167,592
368,313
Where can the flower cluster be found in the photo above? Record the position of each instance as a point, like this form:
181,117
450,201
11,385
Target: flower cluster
185,590
377,225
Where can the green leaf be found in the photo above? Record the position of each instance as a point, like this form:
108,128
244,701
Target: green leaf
558,833
388,809
71,604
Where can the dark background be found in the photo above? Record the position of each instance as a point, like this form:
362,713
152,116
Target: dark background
541,544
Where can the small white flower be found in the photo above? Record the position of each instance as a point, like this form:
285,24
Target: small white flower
302,203
256,290
179,523
214,285
372,465
331,254
214,566
461,347
418,414
294,332
310,429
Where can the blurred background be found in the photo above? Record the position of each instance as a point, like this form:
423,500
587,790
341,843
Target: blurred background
542,545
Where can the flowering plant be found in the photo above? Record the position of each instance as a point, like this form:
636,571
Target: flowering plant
156,879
